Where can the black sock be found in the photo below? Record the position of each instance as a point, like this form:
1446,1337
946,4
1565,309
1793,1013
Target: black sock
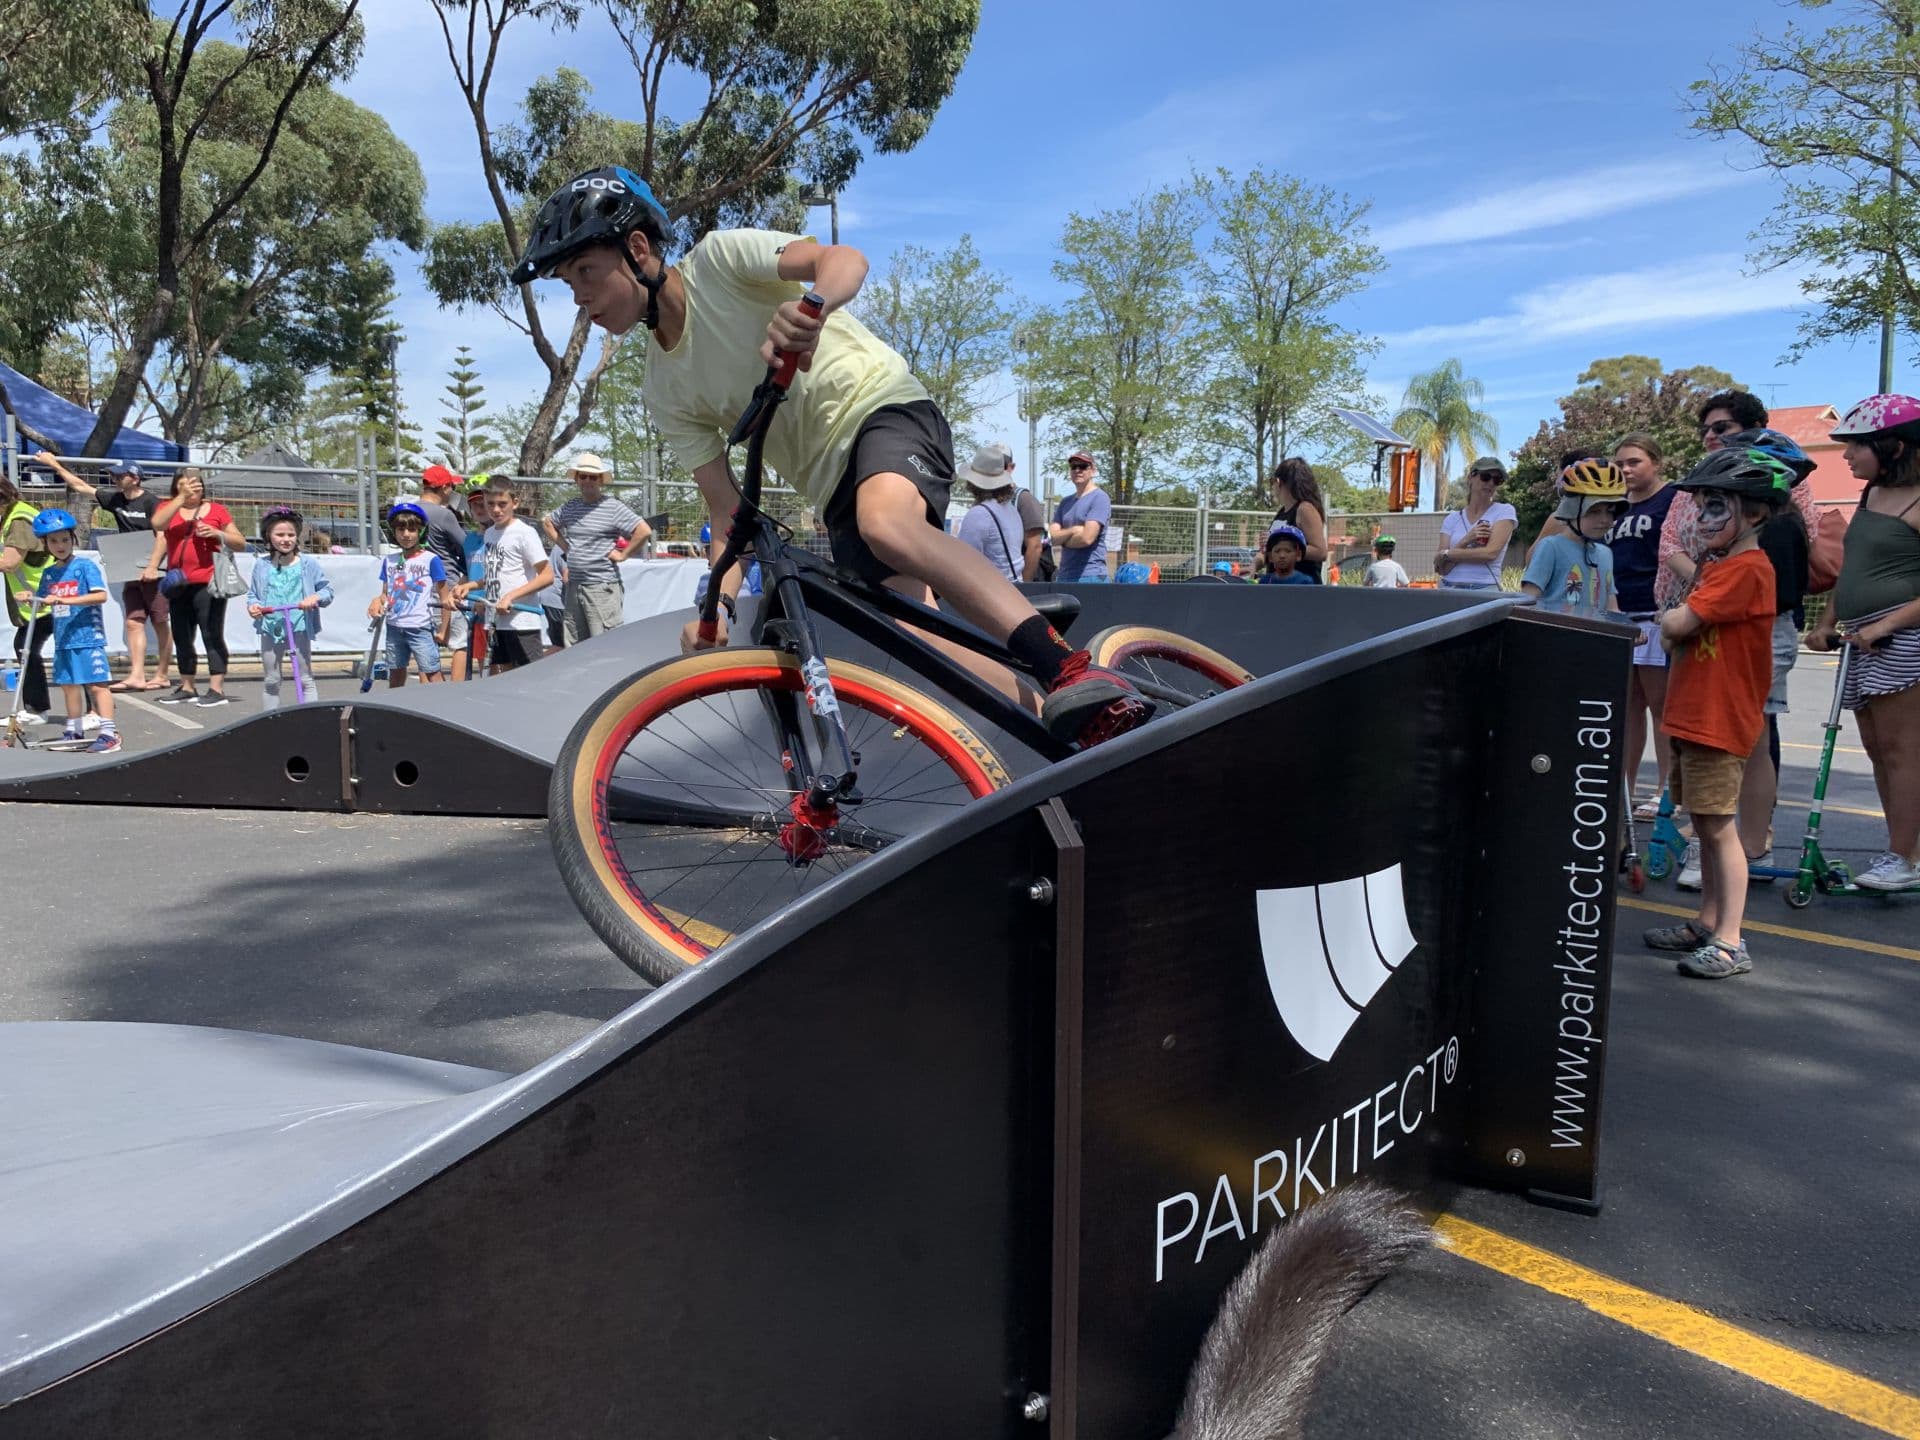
1039,645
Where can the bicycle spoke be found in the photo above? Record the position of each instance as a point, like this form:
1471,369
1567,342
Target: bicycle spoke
723,753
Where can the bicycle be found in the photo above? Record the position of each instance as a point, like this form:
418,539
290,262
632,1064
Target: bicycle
707,792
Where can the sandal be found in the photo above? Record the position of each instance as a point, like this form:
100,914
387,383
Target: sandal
122,687
1686,936
1647,809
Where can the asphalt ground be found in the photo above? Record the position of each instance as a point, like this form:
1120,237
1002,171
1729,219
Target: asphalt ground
1759,1142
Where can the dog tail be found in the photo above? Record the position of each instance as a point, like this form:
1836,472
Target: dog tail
1263,1355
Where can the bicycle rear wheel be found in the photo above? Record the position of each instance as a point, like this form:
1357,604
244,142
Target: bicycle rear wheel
672,808
1167,659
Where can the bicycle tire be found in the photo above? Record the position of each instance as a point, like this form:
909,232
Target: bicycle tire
1167,659
648,719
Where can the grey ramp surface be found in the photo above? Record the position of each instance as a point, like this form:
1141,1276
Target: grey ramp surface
199,1147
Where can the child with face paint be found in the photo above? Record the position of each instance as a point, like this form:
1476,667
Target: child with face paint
1721,641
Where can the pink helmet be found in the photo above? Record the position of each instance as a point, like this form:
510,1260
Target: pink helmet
1876,415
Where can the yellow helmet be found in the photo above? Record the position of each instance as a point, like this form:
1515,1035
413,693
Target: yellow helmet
1593,480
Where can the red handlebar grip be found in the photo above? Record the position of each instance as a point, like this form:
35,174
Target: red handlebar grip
788,363
709,631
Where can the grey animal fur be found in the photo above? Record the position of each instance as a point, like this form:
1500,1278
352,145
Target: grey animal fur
1264,1352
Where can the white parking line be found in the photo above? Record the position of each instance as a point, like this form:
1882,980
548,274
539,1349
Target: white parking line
148,707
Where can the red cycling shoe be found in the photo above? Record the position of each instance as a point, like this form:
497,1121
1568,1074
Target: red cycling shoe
1087,704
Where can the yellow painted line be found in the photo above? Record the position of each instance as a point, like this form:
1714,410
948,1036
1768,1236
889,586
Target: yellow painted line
1805,745
1842,1392
711,936
1845,942
1837,809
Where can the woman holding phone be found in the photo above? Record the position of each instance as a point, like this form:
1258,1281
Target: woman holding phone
189,530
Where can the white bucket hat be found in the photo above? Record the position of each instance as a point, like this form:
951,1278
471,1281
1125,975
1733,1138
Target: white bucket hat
588,463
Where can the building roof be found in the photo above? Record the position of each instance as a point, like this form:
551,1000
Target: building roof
1808,425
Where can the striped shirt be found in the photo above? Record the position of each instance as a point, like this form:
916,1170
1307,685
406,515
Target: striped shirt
590,530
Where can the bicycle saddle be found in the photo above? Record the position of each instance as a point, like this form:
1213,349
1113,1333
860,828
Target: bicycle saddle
1060,609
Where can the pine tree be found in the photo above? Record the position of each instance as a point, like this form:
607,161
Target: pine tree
467,440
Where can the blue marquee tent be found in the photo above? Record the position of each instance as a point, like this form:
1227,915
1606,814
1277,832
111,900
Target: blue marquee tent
69,424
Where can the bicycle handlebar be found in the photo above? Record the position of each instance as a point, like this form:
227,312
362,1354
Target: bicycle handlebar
752,427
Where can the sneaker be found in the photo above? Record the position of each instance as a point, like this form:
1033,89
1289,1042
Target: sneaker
1889,872
1716,960
1689,877
89,722
104,744
32,717
211,699
1687,936
179,695
1087,704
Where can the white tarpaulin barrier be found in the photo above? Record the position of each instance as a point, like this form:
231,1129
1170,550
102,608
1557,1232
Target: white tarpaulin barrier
653,588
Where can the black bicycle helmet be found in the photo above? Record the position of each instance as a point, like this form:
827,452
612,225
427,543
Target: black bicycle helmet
278,513
600,207
1749,471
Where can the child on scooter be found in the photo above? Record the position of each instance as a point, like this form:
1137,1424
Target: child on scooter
72,591
286,577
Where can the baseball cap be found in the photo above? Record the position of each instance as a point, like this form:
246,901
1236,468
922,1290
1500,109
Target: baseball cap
124,467
1486,465
439,477
588,463
1080,455
990,468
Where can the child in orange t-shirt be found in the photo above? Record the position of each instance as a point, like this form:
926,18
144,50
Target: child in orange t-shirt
1721,640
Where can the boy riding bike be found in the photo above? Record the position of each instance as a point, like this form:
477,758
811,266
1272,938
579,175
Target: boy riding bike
859,434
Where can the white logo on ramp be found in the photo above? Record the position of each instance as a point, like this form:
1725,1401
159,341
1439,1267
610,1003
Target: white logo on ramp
1329,949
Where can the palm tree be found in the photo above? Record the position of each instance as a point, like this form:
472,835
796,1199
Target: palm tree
1439,414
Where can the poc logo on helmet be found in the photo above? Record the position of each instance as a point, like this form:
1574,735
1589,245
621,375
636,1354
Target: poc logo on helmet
600,182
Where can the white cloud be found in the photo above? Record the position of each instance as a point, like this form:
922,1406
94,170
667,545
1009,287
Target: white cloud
1709,287
1560,200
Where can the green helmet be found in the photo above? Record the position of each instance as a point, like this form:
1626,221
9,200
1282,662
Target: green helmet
1750,472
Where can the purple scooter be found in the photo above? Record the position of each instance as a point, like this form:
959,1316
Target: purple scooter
293,652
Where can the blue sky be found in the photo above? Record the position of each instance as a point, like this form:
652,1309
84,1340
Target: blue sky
1533,181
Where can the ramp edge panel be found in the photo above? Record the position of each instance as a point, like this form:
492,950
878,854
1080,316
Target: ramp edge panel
525,1096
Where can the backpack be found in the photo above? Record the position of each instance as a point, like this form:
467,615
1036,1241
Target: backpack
1825,547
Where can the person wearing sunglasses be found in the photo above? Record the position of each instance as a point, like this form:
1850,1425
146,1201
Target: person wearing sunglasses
1079,528
1476,536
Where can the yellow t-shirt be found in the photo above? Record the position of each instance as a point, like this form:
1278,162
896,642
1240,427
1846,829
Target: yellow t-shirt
697,390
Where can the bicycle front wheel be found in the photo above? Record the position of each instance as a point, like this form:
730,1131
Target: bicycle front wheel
671,807
1166,659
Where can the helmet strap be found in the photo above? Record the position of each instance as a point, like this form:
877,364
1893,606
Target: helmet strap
651,285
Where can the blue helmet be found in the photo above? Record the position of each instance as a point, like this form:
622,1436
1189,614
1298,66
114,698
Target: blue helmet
404,507
600,207
52,522
1223,567
1134,573
1284,531
1781,447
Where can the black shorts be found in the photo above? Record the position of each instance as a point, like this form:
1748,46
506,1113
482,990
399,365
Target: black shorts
517,647
911,440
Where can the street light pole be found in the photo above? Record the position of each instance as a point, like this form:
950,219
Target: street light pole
815,196
393,369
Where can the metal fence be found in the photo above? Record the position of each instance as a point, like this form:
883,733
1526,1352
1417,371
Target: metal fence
343,508
339,506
